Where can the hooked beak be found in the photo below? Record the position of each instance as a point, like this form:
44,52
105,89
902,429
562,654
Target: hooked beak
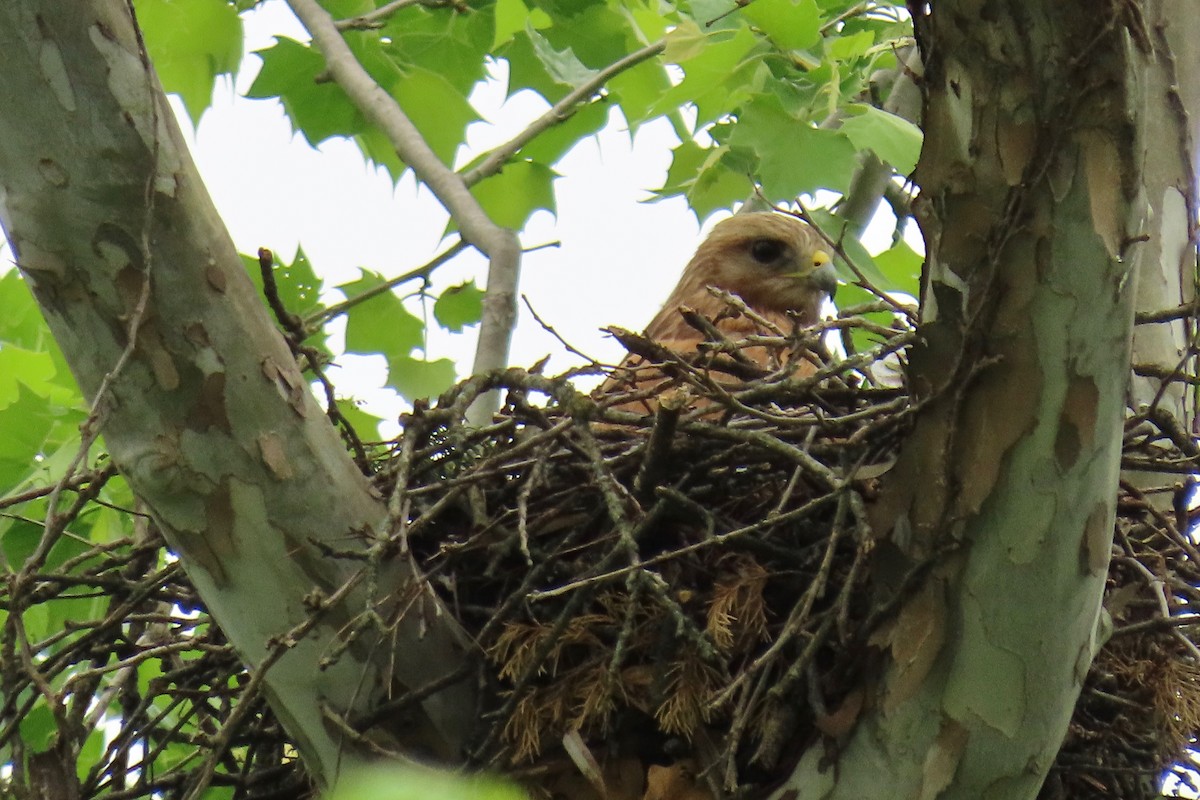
824,277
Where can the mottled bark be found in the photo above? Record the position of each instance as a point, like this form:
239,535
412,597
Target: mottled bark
1166,261
210,421
1054,167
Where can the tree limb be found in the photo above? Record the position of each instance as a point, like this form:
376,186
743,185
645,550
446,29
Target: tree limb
499,244
563,110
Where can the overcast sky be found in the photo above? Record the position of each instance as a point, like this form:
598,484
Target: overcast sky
618,257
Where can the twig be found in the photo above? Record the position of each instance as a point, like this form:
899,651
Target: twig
563,110
863,281
658,448
374,19
1182,311
318,318
713,540
550,330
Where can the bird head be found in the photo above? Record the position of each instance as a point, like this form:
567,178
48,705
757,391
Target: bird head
772,261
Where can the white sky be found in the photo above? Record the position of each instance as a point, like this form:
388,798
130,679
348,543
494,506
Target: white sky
618,259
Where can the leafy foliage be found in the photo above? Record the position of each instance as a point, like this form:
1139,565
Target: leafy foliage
191,42
769,96
773,96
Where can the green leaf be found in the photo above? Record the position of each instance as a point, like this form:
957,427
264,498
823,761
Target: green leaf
318,110
687,159
526,70
298,286
790,24
794,158
347,9
652,20
366,425
35,371
511,18
18,540
191,42
901,265
511,196
381,324
847,48
37,728
401,782
416,378
108,525
219,793
377,148
555,142
684,42
706,178
440,113
25,423
21,323
711,78
459,306
561,64
850,295
595,33
714,15
91,752
892,138
718,186
455,46
638,91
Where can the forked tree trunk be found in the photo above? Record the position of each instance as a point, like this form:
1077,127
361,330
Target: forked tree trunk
1057,195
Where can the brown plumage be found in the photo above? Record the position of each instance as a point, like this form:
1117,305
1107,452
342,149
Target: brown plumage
774,262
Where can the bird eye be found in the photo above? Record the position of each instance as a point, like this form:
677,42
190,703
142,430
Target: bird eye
766,251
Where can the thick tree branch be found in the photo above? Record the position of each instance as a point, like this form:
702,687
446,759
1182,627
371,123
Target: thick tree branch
499,244
208,417
1019,379
872,179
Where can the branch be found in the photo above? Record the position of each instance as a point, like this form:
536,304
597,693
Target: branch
375,18
873,177
1182,311
318,318
867,187
561,111
499,244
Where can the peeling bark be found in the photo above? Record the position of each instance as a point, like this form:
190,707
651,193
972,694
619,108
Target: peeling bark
1038,203
209,420
1166,261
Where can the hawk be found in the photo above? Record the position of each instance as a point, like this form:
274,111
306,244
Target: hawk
775,263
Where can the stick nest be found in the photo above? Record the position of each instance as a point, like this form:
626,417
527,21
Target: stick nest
691,587
663,604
